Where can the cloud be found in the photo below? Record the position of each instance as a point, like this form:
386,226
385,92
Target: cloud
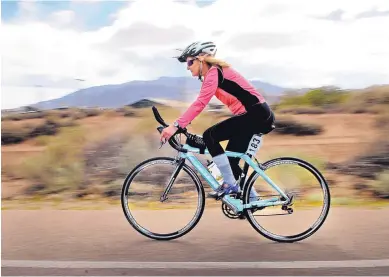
335,15
62,18
372,13
142,33
249,41
339,15
299,43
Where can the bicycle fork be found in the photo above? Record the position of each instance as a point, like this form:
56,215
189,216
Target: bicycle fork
172,179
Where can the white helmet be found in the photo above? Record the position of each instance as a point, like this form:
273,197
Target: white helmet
197,48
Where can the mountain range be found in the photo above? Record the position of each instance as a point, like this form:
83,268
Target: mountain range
171,88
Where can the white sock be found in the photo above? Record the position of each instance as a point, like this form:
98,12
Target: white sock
224,166
253,193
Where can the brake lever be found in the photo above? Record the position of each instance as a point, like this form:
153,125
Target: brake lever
161,143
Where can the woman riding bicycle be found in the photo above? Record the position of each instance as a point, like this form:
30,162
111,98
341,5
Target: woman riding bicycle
252,115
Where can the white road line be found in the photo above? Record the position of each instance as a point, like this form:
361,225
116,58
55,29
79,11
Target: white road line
195,265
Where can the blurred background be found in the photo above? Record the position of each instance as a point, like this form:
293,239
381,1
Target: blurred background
79,79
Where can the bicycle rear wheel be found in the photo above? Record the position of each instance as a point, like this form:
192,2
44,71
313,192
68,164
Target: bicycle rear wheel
159,216
311,200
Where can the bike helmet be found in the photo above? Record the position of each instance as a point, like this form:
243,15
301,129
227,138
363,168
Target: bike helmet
197,48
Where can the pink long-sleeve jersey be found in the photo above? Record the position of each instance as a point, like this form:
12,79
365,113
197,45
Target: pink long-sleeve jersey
229,87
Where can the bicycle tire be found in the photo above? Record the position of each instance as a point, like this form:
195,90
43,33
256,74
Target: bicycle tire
318,223
172,235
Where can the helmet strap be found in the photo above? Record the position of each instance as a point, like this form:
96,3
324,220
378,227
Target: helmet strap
201,70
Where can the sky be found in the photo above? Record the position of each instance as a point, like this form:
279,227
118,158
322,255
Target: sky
52,48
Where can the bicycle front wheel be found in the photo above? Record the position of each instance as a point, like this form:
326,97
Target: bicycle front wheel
306,213
155,211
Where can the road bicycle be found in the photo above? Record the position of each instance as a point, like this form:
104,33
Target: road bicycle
233,206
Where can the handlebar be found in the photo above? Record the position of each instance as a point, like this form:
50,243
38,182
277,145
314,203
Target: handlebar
172,141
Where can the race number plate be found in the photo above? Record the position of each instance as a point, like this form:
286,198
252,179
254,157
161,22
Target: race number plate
254,145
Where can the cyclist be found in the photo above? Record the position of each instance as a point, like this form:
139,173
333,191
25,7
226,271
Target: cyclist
251,113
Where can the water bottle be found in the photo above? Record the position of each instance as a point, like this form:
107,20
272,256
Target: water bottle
215,172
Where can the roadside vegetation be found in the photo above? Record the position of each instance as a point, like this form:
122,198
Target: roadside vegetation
71,163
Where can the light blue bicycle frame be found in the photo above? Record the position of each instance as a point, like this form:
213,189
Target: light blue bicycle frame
214,184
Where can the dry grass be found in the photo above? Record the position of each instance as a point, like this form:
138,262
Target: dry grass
59,166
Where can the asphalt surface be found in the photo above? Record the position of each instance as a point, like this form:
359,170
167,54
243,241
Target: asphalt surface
55,242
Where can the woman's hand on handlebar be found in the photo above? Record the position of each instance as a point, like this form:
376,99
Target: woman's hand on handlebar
168,132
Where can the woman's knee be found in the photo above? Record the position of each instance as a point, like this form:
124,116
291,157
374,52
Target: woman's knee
207,136
212,144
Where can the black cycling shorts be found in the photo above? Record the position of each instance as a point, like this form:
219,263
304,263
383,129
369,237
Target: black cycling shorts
239,130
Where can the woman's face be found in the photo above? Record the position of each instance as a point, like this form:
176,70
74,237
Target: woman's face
193,65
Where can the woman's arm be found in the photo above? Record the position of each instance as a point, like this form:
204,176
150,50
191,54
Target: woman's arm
208,90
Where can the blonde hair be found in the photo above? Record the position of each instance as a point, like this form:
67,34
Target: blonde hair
213,61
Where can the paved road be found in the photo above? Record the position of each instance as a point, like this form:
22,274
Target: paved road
48,242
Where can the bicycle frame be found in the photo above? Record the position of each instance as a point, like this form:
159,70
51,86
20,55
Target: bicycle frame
186,152
189,155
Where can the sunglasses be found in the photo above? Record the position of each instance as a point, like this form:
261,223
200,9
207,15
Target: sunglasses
190,62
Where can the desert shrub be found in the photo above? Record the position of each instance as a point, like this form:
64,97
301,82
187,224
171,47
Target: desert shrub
113,189
371,100
112,159
12,134
320,97
121,110
23,116
53,117
64,114
129,113
78,115
290,127
358,110
302,110
48,128
115,156
58,114
136,150
66,123
126,111
17,134
360,186
102,158
378,109
376,95
60,166
109,113
139,148
368,165
382,121
42,140
380,187
92,112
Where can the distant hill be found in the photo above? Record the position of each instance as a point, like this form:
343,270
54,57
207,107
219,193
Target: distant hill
112,96
145,103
